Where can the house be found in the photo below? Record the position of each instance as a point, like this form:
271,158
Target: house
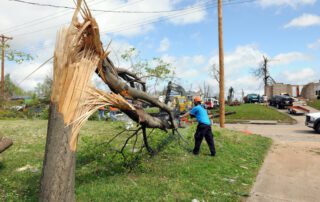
281,88
311,91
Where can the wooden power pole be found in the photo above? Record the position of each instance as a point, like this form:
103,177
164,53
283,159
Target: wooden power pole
221,66
265,73
4,39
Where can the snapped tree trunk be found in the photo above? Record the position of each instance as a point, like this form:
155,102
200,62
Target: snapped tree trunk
58,172
73,99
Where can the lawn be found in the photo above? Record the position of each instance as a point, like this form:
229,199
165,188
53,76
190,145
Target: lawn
246,112
102,174
315,104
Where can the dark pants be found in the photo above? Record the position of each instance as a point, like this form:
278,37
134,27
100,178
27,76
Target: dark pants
206,132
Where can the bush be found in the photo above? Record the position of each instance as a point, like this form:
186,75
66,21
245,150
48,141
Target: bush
11,114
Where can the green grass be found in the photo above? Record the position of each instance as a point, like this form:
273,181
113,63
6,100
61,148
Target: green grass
152,110
315,104
246,112
174,174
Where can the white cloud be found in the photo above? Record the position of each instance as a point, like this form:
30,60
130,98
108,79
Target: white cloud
302,76
36,33
188,16
314,45
287,58
248,83
199,59
247,56
24,26
291,3
304,20
164,45
187,67
19,72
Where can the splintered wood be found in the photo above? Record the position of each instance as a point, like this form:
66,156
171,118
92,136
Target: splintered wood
78,53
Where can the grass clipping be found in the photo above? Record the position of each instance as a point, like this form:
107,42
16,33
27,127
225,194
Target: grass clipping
78,53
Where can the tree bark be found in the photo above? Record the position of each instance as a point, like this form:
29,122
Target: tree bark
58,171
116,85
5,143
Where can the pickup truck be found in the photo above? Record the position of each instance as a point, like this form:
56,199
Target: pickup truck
313,121
281,101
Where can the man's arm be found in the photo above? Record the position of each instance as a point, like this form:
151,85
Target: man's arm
185,115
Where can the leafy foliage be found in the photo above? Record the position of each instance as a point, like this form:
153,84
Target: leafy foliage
155,71
44,89
11,88
15,55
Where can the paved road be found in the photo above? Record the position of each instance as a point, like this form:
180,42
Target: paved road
291,171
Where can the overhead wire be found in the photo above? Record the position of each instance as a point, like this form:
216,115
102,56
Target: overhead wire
172,16
57,25
42,19
98,10
118,7
53,26
54,16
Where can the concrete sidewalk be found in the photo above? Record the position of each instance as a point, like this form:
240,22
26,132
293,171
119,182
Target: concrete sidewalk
291,171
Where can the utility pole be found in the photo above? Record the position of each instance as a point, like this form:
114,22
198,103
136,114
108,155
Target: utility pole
265,73
4,39
221,64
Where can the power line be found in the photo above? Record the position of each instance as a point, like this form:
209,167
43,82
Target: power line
98,10
151,20
34,71
172,16
54,16
44,29
39,20
23,26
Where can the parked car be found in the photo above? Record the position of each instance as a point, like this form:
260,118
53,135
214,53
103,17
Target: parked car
252,98
313,121
211,103
281,101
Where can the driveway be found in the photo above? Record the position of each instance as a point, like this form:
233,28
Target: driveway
291,170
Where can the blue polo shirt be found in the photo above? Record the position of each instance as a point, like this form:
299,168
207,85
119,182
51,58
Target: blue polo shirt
201,115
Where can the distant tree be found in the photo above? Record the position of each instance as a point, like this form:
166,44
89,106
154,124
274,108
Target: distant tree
10,88
44,89
263,73
216,73
156,71
15,55
230,95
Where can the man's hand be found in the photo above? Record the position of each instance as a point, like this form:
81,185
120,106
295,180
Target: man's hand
185,115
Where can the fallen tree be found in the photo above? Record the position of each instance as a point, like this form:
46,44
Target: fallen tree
78,54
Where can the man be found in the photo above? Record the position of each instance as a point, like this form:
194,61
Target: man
203,128
112,113
101,113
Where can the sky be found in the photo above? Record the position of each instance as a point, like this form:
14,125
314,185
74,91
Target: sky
285,31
